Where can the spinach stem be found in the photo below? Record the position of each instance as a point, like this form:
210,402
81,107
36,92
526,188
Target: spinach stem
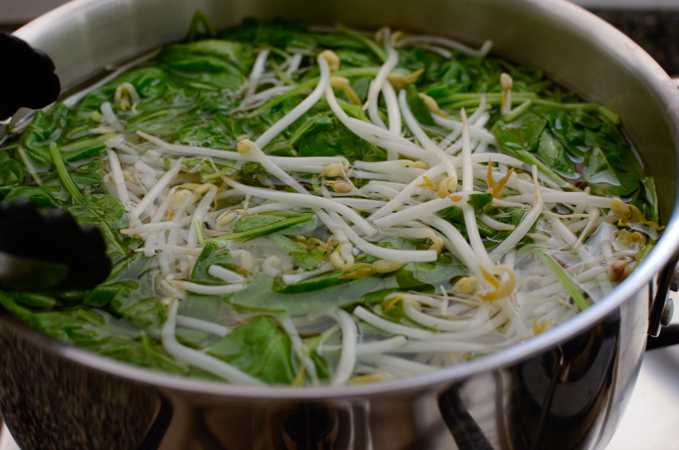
65,177
564,278
516,112
282,53
474,98
199,18
528,157
267,229
492,101
280,74
301,130
29,165
605,112
379,51
199,232
313,342
87,143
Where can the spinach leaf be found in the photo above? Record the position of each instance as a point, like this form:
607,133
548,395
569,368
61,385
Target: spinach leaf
309,260
247,223
266,294
260,349
484,73
356,59
322,368
565,129
334,139
39,195
201,70
128,268
11,173
280,33
554,155
521,134
30,300
526,75
45,127
611,162
343,42
237,53
598,169
452,78
586,120
98,333
136,306
428,276
92,150
617,150
211,255
516,215
126,299
165,121
209,133
418,108
414,59
452,214
263,224
286,243
323,281
479,201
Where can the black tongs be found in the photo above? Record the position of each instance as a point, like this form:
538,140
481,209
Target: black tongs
41,252
48,252
27,77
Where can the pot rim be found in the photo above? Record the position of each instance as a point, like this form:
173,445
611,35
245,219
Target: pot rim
588,25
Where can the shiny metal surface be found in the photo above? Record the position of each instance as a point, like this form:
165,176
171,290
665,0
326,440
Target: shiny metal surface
541,394
668,312
674,284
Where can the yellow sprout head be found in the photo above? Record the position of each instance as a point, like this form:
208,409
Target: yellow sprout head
332,59
399,81
431,105
343,83
244,146
507,84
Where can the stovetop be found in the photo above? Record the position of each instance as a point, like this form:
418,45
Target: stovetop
651,420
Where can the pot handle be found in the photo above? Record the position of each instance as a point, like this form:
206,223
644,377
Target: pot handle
662,307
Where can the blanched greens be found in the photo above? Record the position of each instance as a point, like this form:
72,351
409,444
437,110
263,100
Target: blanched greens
282,204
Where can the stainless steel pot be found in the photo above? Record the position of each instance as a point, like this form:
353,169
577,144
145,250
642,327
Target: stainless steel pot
565,389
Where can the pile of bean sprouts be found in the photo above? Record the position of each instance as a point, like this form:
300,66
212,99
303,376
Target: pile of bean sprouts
509,294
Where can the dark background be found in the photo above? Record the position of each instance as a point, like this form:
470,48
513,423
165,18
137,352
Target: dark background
656,31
